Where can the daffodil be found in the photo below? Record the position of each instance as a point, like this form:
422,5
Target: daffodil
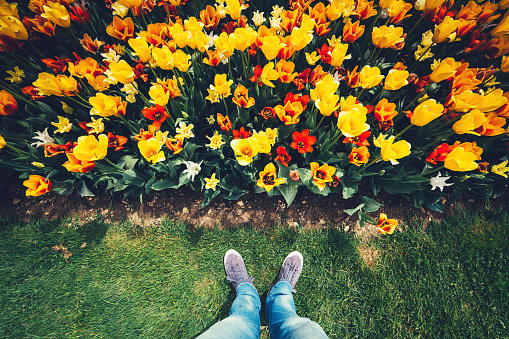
63,125
216,141
500,169
211,183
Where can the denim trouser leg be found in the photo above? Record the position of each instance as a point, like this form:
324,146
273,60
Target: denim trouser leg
284,323
244,319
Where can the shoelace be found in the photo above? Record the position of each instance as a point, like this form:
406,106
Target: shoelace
236,275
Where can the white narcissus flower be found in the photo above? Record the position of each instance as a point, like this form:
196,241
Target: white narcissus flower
258,18
439,182
43,138
192,169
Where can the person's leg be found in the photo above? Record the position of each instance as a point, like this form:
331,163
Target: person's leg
284,323
244,319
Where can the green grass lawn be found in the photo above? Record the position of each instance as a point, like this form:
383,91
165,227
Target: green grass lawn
132,282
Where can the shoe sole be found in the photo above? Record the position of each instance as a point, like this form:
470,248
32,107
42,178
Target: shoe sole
230,251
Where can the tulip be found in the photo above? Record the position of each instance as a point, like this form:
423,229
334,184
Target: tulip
504,67
359,155
37,185
300,38
493,126
43,25
2,142
244,38
151,150
13,27
390,150
492,101
444,29
241,97
78,166
159,94
269,74
225,44
352,32
121,71
432,4
210,17
322,174
48,84
245,150
181,60
503,4
234,8
338,54
466,101
268,178
285,71
323,87
271,46
352,123
84,67
370,77
122,29
385,111
56,13
163,57
396,79
8,105
444,70
469,122
460,160
141,49
386,226
89,45
387,36
426,112
327,104
106,105
222,85
501,29
130,3
90,148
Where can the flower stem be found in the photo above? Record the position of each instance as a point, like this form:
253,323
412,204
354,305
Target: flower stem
371,163
403,131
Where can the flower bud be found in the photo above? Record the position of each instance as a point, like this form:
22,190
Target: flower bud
294,175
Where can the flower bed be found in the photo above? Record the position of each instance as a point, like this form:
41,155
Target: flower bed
141,95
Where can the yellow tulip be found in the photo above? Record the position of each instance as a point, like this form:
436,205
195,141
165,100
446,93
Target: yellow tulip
492,101
301,37
13,27
163,57
244,38
504,67
225,44
271,46
222,85
324,86
444,70
387,36
151,150
392,151
466,101
63,125
338,54
56,13
444,29
233,8
90,148
106,105
269,74
352,123
322,174
83,68
460,160
158,94
268,178
245,150
396,79
141,48
2,142
121,71
48,84
370,77
181,60
426,112
469,122
432,4
327,104
501,29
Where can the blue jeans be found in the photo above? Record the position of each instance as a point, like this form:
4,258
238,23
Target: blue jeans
244,319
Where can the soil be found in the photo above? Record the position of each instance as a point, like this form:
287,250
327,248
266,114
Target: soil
257,210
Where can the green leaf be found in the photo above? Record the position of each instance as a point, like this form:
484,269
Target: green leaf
164,184
349,189
370,205
83,191
305,175
289,192
351,211
397,187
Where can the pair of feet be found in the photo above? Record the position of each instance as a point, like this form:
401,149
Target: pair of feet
236,272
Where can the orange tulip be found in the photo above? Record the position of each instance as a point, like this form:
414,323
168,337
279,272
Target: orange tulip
122,29
78,166
241,97
322,174
37,185
386,226
359,155
8,105
352,32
